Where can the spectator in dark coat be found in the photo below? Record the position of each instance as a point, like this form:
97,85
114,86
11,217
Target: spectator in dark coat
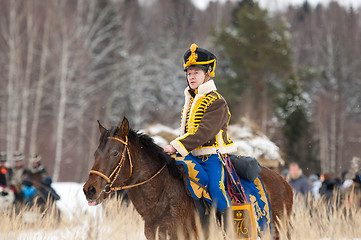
330,184
297,180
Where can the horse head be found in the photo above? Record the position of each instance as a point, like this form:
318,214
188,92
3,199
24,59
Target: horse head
112,165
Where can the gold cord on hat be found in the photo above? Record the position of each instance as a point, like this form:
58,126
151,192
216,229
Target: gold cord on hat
192,60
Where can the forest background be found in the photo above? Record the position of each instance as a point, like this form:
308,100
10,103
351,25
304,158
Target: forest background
295,72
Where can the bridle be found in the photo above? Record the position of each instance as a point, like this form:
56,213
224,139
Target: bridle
109,187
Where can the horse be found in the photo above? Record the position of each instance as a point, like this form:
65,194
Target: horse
129,160
7,198
37,191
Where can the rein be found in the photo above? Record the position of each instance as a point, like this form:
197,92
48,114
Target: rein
109,187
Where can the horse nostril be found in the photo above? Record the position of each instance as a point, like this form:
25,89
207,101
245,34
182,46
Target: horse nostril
91,191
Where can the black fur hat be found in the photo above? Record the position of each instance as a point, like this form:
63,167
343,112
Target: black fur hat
196,57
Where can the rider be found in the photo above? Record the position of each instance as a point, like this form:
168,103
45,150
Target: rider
4,171
37,170
37,167
203,130
17,174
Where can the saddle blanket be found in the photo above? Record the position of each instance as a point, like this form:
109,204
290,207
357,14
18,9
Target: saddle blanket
256,194
254,191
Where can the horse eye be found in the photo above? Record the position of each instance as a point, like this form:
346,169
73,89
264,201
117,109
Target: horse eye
114,154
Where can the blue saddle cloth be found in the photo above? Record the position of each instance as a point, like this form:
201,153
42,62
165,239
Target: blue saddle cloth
254,191
256,194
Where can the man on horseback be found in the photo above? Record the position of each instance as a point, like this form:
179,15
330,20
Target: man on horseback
203,131
4,171
37,167
17,175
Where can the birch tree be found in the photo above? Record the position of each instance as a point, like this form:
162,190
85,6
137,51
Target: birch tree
13,40
324,44
64,79
31,32
42,78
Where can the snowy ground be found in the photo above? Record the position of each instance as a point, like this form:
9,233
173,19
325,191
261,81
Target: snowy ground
80,221
73,200
116,221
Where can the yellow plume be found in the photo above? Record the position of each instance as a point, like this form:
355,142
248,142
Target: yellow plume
193,47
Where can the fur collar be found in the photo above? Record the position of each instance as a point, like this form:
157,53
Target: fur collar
203,89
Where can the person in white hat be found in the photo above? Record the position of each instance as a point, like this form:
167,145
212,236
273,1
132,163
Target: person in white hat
18,171
17,175
36,167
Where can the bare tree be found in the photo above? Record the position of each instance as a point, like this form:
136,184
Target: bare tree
324,44
13,40
42,78
31,32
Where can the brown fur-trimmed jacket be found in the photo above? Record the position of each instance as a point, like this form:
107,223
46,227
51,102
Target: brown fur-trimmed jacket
204,123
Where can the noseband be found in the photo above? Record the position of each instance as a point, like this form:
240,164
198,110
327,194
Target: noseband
109,187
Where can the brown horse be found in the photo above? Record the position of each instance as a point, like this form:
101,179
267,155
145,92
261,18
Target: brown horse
129,160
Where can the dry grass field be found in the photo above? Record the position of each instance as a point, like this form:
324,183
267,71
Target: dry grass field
115,221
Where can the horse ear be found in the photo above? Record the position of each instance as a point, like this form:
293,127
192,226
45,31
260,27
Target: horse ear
101,128
124,127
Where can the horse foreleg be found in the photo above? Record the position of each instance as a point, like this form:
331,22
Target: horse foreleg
153,232
149,232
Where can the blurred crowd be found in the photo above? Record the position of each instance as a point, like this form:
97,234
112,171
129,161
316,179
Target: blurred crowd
325,186
24,185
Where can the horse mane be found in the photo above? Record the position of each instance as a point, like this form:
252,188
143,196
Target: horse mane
148,144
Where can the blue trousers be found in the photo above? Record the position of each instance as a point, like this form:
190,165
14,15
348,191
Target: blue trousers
208,171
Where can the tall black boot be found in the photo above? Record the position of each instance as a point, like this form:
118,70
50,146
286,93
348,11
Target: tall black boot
224,218
202,209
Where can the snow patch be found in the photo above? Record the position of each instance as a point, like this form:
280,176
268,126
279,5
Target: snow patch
158,128
246,136
160,141
72,199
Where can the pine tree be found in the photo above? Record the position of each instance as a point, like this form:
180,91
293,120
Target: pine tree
255,55
293,111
